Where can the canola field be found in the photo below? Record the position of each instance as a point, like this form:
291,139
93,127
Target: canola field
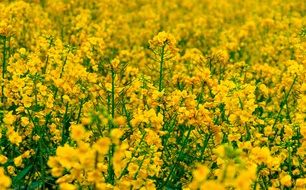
153,94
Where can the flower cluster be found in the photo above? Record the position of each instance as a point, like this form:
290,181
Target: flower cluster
152,94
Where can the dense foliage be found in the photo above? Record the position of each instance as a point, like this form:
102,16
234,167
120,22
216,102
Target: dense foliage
153,94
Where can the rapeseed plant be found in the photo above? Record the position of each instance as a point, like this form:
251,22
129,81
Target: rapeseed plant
141,94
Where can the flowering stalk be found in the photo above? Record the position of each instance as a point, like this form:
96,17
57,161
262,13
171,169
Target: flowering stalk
113,92
111,174
184,144
161,69
163,45
283,102
3,67
133,155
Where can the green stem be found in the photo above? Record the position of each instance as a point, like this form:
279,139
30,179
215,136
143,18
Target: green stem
63,67
220,74
133,154
265,185
161,69
178,158
3,68
113,93
44,69
255,185
205,145
136,174
224,173
289,161
61,75
80,112
284,102
111,174
65,129
35,90
4,57
40,153
288,112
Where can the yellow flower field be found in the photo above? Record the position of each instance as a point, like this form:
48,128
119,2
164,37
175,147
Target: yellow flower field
153,94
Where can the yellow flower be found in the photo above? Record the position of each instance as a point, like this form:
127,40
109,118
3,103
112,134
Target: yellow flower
18,161
6,29
27,101
200,174
286,181
85,120
9,118
24,121
116,135
5,181
26,154
245,178
303,130
67,186
94,176
66,98
163,39
212,185
3,159
115,63
301,182
36,137
132,168
14,137
120,121
102,145
78,132
11,170
104,186
57,172
260,155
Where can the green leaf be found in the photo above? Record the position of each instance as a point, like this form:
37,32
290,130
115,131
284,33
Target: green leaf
36,185
22,174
